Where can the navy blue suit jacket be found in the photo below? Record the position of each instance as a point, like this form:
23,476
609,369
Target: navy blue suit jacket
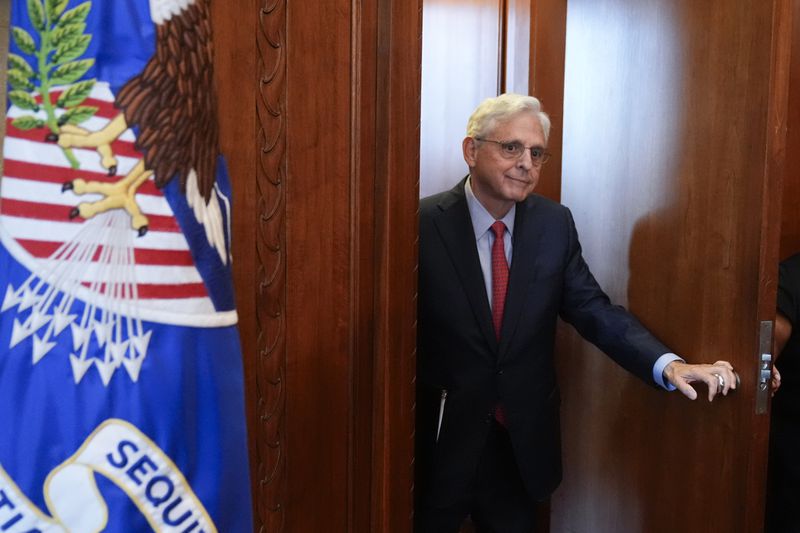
458,350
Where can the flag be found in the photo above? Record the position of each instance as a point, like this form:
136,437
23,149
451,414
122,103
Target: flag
121,380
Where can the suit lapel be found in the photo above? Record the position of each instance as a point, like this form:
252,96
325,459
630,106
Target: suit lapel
528,232
455,228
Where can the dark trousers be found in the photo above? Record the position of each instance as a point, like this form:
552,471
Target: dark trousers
497,501
783,488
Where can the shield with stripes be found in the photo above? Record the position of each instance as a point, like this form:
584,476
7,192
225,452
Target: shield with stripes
124,279
121,386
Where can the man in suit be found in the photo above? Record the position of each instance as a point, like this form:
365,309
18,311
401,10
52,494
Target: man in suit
497,266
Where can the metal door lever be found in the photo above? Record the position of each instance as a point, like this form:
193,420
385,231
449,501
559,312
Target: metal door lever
764,366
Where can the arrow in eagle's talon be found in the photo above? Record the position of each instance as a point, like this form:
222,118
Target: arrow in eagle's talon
142,231
112,170
74,212
67,186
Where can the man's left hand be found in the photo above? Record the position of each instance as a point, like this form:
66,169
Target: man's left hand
719,377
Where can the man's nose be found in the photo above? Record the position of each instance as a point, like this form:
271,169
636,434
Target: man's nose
526,160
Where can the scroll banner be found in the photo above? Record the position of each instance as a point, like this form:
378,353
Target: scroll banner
121,373
121,453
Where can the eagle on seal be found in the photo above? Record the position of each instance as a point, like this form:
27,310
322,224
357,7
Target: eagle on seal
173,105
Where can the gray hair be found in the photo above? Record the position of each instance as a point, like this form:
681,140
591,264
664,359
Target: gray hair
502,108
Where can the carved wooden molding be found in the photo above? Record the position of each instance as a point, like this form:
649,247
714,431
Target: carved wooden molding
270,454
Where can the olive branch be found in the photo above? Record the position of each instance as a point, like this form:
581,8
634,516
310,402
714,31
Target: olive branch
62,41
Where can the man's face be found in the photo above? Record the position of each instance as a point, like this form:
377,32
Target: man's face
499,181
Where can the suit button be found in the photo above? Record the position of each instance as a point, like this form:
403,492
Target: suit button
500,372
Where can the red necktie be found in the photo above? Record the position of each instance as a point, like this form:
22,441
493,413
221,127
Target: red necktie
499,287
499,276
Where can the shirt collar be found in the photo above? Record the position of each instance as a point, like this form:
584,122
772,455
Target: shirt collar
482,220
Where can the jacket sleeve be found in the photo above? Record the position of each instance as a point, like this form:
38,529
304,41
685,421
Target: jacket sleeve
610,327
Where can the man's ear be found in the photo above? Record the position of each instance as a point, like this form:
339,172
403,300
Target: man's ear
470,149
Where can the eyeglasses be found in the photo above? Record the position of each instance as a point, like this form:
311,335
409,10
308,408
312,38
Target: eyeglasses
515,150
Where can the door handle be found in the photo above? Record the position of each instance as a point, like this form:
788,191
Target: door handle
764,366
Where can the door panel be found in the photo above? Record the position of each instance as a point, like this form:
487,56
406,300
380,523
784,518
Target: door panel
319,113
460,67
674,115
548,28
790,221
517,44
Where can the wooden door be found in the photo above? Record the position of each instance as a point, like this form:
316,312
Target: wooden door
319,115
674,129
790,213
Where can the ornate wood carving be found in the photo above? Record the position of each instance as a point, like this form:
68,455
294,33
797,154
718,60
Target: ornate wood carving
342,363
270,450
